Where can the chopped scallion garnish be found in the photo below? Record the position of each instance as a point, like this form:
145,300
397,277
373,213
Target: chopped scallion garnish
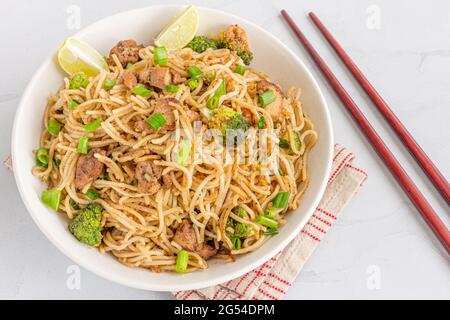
79,81
271,231
53,127
83,145
184,152
92,194
141,90
192,83
109,84
172,88
156,121
267,97
42,157
281,199
129,65
194,72
94,125
160,56
264,221
72,104
51,198
270,213
213,102
182,261
261,122
236,243
283,144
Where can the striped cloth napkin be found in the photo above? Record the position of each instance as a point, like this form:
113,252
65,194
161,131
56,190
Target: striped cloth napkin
271,280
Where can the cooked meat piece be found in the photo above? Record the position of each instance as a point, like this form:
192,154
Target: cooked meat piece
148,175
163,106
88,168
193,115
249,115
129,79
206,251
159,77
185,237
166,181
127,51
176,77
275,109
236,36
141,126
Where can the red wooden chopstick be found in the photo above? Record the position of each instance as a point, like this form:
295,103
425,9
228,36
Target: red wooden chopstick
408,186
416,151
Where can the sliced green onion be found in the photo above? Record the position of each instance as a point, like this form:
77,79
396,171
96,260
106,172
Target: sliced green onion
129,65
281,172
79,81
267,97
156,121
53,127
93,125
57,162
262,220
236,243
105,58
92,194
182,261
261,122
184,152
72,104
271,231
83,145
284,144
141,90
240,70
42,157
194,72
172,88
270,213
160,56
109,84
192,83
213,102
51,198
105,175
211,77
281,199
222,89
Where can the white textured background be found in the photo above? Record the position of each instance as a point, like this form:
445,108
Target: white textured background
380,236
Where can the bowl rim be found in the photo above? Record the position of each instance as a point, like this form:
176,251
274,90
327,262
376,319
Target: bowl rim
308,212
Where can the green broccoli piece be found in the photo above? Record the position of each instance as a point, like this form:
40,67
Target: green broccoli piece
79,81
241,230
86,226
201,43
231,124
235,39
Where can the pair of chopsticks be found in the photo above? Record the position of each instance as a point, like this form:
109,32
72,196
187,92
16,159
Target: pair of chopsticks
414,194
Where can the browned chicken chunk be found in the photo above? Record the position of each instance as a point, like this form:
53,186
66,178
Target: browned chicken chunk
163,106
127,51
157,77
236,37
129,79
185,237
88,168
275,109
148,175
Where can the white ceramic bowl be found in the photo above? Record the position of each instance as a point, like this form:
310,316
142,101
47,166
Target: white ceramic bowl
271,57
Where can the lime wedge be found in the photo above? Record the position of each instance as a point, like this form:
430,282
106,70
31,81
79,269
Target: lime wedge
76,56
180,31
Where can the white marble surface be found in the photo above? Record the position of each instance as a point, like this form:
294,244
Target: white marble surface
380,236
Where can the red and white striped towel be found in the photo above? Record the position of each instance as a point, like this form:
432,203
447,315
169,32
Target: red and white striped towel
271,280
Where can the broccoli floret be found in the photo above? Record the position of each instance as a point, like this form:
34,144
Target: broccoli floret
231,124
235,39
241,230
86,226
201,43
